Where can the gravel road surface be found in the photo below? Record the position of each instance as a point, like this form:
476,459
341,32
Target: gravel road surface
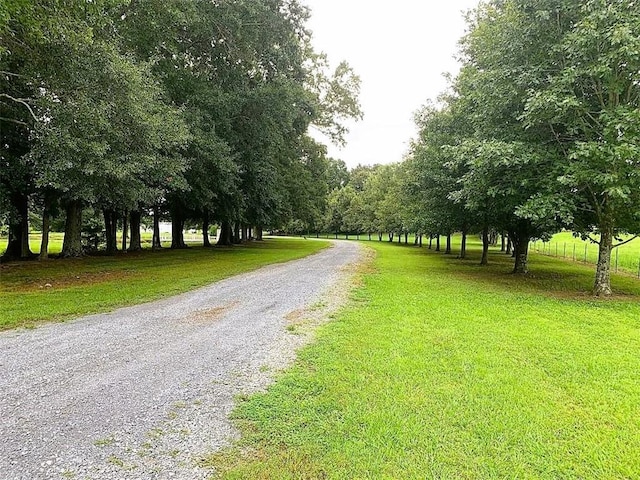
145,391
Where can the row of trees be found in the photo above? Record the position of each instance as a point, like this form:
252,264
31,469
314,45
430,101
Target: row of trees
539,132
192,108
541,128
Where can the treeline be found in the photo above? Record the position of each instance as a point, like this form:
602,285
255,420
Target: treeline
539,132
191,109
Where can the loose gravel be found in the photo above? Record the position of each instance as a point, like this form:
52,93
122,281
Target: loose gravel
144,392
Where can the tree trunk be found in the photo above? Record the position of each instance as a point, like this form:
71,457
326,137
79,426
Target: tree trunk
236,233
177,230
156,243
205,230
430,242
448,247
485,246
503,242
406,238
18,246
509,246
438,243
390,237
259,234
463,244
602,286
379,236
110,226
135,242
226,234
125,230
521,251
72,245
46,226
420,240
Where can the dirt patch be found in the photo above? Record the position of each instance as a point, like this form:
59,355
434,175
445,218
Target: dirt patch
211,314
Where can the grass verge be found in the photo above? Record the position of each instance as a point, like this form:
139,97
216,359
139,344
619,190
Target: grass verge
55,290
443,369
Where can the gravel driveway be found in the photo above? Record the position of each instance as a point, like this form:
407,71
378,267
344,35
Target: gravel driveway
145,391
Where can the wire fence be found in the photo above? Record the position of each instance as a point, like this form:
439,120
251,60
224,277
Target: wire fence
621,260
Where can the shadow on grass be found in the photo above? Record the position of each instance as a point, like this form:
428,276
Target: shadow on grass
547,275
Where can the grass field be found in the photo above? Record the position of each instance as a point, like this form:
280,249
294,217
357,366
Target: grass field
442,369
625,258
56,239
35,292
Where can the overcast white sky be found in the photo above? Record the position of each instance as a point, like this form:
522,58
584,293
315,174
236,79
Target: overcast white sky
400,49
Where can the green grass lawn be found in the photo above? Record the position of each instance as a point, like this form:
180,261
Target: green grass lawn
55,290
443,369
565,245
56,239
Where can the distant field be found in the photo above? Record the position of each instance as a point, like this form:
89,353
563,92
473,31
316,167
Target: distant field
56,239
443,369
625,258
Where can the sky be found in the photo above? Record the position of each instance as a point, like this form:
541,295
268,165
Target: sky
400,50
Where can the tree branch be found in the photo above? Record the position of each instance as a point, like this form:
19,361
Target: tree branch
4,119
626,241
21,101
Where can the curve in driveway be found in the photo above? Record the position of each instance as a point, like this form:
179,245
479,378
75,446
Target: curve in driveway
144,391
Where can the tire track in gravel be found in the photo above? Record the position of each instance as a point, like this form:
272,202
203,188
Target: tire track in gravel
145,391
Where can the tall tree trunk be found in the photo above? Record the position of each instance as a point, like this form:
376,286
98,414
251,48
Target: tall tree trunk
226,234
430,242
485,246
72,245
463,244
438,243
46,226
125,230
259,234
205,230
406,238
18,246
503,241
177,230
135,241
521,252
509,246
236,233
448,247
390,237
379,236
156,243
420,240
110,226
602,285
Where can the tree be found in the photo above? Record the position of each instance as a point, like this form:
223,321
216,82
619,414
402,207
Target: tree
591,104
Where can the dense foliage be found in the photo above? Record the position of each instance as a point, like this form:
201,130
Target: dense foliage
197,110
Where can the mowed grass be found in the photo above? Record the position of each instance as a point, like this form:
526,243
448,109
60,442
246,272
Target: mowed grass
625,258
442,369
56,290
